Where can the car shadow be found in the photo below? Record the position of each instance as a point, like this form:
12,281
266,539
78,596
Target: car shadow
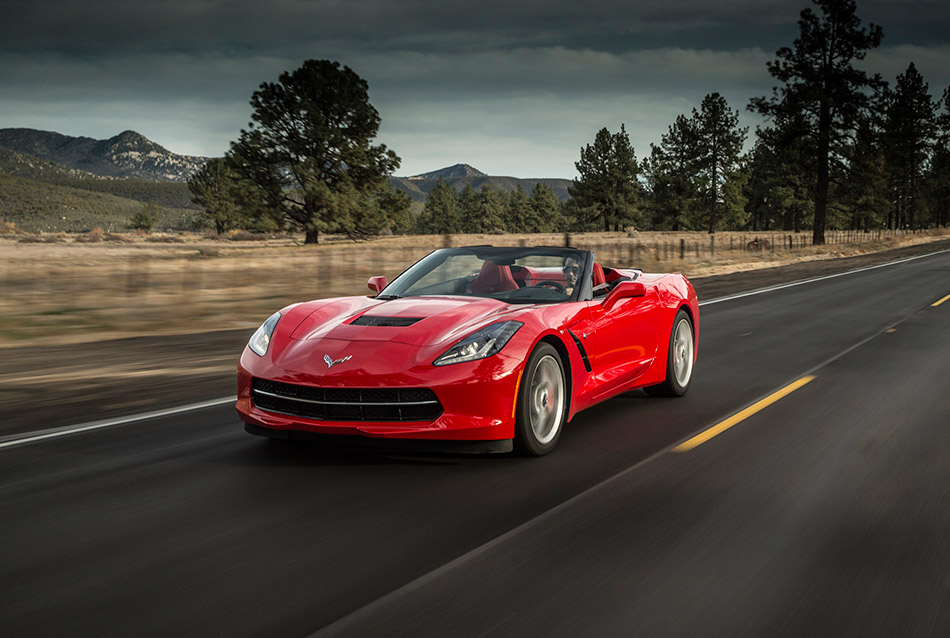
275,452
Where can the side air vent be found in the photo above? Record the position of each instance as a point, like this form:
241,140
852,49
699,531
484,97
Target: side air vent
393,322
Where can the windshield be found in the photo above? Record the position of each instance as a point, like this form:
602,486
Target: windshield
512,275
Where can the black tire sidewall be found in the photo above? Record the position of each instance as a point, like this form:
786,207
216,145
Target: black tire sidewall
674,387
525,439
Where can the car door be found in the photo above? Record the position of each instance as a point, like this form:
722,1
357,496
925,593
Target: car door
626,338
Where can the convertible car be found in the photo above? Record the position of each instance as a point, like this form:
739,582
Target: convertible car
477,349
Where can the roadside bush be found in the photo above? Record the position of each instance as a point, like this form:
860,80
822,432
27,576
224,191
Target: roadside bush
93,236
144,219
243,235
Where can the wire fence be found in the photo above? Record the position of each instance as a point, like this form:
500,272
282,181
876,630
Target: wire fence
190,288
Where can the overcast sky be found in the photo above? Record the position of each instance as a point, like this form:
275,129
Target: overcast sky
512,88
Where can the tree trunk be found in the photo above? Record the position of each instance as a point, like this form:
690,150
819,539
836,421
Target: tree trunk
821,189
713,213
313,237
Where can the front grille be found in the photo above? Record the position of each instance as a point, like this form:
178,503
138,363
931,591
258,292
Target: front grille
346,404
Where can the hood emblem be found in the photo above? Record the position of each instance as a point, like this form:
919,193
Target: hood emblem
330,362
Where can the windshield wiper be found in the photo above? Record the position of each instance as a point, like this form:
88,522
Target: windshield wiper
387,297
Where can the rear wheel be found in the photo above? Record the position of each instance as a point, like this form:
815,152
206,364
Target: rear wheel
679,360
542,402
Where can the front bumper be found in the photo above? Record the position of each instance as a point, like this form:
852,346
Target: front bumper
477,398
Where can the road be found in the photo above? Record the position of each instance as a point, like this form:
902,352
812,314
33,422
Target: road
826,512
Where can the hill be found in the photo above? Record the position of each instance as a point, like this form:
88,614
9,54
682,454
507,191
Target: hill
459,175
37,206
128,154
451,172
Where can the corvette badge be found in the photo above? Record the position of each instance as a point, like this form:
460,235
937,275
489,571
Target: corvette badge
331,362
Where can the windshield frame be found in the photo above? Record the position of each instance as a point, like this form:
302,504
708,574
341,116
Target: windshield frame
414,273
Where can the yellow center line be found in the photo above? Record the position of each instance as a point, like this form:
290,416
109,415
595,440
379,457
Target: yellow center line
719,428
937,303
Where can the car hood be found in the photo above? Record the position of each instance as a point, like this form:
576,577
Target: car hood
418,321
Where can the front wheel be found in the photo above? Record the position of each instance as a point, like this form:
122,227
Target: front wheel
679,360
542,402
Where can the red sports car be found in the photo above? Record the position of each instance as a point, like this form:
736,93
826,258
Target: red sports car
471,349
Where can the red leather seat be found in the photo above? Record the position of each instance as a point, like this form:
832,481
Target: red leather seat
598,275
493,278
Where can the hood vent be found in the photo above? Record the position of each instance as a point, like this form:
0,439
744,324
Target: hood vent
392,322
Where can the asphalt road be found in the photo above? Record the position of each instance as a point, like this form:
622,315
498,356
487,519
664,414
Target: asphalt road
824,513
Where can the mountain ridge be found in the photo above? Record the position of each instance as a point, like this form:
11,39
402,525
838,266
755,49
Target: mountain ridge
128,154
458,176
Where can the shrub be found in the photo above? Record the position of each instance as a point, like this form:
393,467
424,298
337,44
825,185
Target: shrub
93,236
144,219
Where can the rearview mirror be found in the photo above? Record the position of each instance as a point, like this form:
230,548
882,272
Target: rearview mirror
624,290
377,283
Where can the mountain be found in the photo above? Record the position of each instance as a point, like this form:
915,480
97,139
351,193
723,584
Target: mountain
128,154
451,172
459,175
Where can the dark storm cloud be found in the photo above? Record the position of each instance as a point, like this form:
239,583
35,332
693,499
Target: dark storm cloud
79,26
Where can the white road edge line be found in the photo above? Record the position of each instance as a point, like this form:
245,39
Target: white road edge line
21,439
42,435
814,279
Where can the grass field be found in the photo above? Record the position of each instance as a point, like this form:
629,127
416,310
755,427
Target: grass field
73,289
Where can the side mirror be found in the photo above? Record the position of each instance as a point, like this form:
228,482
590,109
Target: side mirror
624,290
377,283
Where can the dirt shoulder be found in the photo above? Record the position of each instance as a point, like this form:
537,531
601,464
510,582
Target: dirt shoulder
49,386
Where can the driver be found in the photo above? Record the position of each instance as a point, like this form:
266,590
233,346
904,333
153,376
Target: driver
571,269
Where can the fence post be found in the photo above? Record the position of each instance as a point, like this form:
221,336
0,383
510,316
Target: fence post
682,249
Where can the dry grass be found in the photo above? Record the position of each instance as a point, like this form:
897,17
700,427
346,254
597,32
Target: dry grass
81,288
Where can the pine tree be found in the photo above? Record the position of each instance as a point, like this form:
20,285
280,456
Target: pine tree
518,213
387,210
938,177
910,127
441,213
671,172
309,148
491,211
781,179
145,218
719,141
821,85
864,192
546,215
469,210
607,193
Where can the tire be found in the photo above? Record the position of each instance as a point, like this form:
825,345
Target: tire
542,402
679,359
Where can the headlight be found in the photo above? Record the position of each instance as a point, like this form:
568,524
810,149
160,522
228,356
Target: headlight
478,345
261,339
